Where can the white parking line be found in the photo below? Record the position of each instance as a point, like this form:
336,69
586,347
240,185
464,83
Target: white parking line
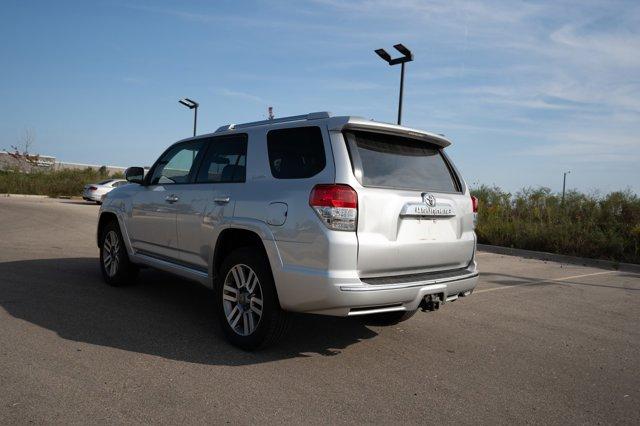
559,280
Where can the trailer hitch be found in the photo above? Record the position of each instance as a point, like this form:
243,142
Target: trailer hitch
431,302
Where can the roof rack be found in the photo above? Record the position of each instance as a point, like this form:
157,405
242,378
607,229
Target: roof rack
310,116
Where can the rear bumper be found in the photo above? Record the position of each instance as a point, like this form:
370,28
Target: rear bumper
88,196
323,294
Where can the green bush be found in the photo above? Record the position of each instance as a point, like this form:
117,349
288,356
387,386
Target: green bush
53,183
602,227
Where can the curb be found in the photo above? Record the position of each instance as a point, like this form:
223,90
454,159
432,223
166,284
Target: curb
40,197
23,196
540,255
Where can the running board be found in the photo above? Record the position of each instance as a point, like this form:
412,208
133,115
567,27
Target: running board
174,268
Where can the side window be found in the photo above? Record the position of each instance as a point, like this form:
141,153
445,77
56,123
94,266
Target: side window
225,160
175,165
296,153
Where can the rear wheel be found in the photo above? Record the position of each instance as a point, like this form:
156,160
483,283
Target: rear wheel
116,268
389,318
248,307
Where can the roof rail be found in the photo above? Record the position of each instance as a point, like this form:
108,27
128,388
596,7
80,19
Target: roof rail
310,116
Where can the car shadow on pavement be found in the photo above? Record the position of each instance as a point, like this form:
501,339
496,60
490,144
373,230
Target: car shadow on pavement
162,315
80,202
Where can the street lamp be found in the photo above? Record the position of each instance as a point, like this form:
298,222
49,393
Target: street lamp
564,183
407,56
194,106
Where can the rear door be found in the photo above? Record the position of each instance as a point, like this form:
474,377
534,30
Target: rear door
413,215
207,202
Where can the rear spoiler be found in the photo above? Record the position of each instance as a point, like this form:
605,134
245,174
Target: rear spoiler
357,123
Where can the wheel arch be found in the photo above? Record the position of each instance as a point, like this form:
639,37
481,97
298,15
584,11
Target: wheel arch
231,239
105,217
108,215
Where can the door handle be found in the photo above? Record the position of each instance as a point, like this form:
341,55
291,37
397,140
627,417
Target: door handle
171,198
222,200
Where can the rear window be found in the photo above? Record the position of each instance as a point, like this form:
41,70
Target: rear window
390,161
295,153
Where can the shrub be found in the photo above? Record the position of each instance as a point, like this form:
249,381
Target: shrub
603,227
53,183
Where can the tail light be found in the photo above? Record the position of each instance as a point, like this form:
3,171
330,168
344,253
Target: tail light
336,205
92,188
474,203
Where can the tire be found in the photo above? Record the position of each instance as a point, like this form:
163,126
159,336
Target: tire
389,318
117,269
247,302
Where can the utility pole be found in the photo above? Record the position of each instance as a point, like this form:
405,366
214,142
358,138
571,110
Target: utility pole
407,57
191,104
401,92
564,183
195,120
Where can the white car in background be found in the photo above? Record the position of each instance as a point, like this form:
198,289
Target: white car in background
97,191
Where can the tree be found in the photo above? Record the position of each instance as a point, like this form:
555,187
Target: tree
21,152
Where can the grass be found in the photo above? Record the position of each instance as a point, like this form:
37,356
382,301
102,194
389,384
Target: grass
600,227
53,183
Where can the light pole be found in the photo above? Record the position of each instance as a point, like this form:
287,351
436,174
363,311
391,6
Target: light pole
194,106
564,183
407,56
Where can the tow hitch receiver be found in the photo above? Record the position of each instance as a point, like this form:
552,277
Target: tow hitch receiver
431,302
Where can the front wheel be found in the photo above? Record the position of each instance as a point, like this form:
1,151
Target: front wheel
248,307
116,268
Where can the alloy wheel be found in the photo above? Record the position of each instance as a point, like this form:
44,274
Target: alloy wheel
111,253
242,299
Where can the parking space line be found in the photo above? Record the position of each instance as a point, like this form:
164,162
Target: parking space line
547,280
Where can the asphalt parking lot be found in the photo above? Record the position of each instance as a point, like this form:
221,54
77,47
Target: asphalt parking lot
538,342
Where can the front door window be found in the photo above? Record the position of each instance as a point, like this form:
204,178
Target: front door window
176,165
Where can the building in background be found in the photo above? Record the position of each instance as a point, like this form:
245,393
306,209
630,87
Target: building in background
30,163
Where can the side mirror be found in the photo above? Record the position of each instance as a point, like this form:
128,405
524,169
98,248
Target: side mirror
134,175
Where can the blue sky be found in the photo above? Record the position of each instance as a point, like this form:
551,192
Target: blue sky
525,90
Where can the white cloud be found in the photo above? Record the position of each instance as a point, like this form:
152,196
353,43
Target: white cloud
598,146
243,96
353,85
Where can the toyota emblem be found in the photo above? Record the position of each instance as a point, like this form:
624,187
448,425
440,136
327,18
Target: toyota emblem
429,199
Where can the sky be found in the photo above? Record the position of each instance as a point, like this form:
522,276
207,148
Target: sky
525,90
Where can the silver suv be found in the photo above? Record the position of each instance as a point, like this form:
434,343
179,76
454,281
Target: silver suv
327,215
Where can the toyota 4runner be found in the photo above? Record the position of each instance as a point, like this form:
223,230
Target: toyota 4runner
328,215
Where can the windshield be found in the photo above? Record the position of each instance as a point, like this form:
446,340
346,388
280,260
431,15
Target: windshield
391,161
104,182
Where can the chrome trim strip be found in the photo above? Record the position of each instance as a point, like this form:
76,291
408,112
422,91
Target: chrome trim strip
376,287
376,311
